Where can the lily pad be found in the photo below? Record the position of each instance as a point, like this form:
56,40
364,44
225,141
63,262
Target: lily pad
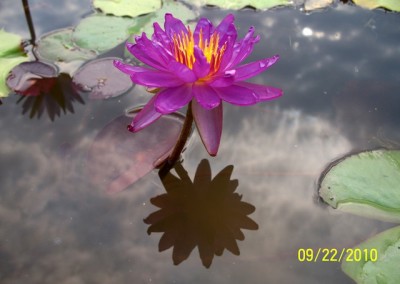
11,54
179,10
6,64
130,8
393,5
101,33
32,78
58,47
239,4
367,184
368,269
101,79
310,5
118,158
145,23
10,44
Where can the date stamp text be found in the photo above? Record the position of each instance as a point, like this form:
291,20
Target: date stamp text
337,255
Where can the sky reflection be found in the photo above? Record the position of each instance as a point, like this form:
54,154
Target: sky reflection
341,94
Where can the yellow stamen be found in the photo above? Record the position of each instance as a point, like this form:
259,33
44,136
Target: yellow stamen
183,49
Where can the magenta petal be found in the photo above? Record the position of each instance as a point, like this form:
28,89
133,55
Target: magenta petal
227,57
181,71
156,79
129,69
237,95
142,55
160,36
205,26
209,125
173,26
226,29
145,117
263,93
206,96
225,79
254,68
149,77
244,47
172,99
149,52
200,67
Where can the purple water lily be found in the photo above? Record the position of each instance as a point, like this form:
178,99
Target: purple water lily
198,68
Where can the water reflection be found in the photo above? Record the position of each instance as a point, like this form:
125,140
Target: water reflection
52,95
206,213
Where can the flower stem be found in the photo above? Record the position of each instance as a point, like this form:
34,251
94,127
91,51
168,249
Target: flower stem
180,144
28,17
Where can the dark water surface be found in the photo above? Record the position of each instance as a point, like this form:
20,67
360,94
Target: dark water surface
339,70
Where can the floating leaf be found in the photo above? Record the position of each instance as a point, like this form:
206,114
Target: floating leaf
101,33
6,64
57,47
32,78
179,11
393,5
366,184
118,158
310,5
11,54
239,4
101,79
10,44
365,268
130,8
145,23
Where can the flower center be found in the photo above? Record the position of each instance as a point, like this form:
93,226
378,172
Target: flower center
183,49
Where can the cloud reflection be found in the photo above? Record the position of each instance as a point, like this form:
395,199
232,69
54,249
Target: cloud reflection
206,213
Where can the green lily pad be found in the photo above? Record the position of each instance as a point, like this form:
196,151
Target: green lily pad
101,33
311,5
178,10
368,269
10,44
393,5
366,184
58,47
239,4
130,8
11,54
145,23
6,64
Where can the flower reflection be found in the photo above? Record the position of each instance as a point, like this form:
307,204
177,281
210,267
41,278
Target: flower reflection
54,95
206,213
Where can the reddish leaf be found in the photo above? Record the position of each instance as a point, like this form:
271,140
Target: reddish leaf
32,78
101,80
118,158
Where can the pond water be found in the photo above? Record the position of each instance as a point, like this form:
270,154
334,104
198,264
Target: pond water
339,70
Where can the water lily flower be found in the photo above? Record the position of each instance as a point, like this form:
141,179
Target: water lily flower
201,68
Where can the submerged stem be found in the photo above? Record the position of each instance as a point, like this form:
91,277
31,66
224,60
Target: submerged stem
180,144
29,21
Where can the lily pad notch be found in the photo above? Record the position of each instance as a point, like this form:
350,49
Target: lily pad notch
365,184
